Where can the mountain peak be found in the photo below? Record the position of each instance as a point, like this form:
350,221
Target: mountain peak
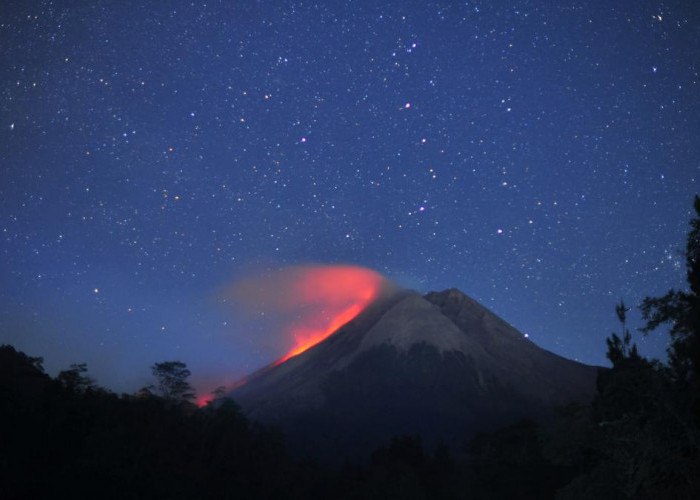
415,320
440,365
471,317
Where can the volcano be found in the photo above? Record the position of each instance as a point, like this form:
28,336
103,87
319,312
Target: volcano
441,366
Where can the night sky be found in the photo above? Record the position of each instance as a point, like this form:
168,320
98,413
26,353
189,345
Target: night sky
540,156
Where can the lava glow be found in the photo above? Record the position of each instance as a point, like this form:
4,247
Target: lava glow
313,300
306,338
203,401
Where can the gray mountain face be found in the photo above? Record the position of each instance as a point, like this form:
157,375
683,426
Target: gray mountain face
439,365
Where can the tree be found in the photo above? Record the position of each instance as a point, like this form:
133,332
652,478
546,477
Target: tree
681,310
75,379
644,438
172,383
640,443
620,349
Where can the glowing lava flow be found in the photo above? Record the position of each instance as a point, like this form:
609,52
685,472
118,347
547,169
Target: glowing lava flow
308,339
308,302
203,401
336,294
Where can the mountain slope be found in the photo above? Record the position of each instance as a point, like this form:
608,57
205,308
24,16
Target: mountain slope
441,365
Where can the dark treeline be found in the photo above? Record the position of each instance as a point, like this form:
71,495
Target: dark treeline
639,438
66,437
72,439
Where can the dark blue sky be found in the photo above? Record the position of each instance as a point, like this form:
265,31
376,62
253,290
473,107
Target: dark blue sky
540,156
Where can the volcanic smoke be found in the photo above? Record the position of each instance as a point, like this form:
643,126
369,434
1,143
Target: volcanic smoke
311,301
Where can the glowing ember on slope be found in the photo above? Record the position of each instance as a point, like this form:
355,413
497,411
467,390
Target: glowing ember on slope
307,338
314,301
203,401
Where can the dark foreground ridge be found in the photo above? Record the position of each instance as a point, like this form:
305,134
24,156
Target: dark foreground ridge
441,366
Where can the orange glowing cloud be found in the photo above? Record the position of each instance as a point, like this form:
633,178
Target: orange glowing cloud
310,302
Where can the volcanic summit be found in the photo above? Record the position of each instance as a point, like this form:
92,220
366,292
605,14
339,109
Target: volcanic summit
440,365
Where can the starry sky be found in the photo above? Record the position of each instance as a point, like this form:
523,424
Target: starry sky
540,156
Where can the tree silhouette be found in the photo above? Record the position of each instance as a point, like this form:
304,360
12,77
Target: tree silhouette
681,310
172,383
620,349
646,415
75,379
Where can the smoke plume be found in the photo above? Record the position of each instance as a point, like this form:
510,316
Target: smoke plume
305,304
